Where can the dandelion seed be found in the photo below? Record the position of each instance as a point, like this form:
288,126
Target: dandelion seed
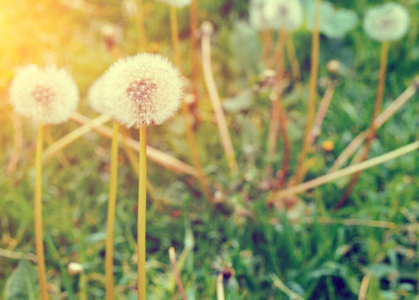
177,3
142,90
387,22
283,14
47,96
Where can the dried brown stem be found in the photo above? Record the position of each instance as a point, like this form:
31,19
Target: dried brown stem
347,171
155,155
194,53
190,134
298,176
172,255
381,119
321,113
215,98
371,129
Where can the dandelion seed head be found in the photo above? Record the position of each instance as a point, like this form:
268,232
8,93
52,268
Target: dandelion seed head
143,89
96,96
387,22
283,14
177,3
257,16
46,95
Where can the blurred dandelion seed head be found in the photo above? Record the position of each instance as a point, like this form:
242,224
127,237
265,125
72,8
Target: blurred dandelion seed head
96,96
143,89
177,3
256,15
47,95
387,22
283,14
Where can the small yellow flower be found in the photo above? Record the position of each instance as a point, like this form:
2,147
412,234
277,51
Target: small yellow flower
328,146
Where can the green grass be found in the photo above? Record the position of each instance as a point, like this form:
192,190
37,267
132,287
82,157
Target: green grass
315,260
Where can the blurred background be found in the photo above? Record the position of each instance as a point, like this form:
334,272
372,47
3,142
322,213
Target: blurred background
308,251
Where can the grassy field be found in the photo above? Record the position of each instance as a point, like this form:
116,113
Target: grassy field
308,251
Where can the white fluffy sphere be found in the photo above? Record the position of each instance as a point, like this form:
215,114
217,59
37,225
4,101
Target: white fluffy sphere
143,89
283,14
47,95
387,22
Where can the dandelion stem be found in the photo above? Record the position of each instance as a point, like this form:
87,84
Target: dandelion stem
111,214
141,218
216,102
278,118
311,100
185,109
372,128
292,56
379,121
348,171
38,215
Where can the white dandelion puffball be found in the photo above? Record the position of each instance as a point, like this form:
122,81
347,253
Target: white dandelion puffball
177,3
48,95
96,96
283,14
256,14
143,89
387,22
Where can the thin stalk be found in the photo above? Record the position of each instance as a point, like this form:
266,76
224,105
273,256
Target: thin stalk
141,218
371,129
220,286
38,215
216,102
142,36
175,36
165,160
278,119
59,154
381,119
321,113
74,135
190,134
348,171
133,160
111,214
312,98
194,51
364,287
276,101
172,256
292,56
